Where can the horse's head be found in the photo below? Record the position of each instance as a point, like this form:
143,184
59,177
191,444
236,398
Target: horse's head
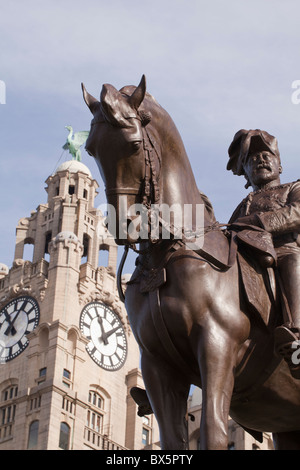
144,165
116,140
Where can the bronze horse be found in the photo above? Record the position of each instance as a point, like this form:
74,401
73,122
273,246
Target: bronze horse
186,306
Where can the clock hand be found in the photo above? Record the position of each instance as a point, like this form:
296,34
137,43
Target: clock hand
7,318
103,334
11,329
110,332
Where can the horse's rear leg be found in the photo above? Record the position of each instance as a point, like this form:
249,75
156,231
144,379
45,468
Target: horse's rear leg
168,393
287,440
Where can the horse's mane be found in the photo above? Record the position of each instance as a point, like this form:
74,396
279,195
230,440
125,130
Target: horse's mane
208,204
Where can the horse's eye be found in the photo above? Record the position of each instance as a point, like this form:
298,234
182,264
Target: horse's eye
136,144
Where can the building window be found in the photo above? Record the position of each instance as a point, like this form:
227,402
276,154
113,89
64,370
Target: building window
10,393
71,189
94,418
96,400
145,436
95,421
42,376
43,372
28,251
86,244
8,414
64,436
48,238
33,435
8,411
146,431
66,380
68,405
67,374
85,194
35,403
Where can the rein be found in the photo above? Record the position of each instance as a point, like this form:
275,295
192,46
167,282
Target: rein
150,195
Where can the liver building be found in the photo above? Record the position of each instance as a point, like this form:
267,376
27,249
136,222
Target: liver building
68,358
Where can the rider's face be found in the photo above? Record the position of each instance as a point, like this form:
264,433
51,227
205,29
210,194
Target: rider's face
262,168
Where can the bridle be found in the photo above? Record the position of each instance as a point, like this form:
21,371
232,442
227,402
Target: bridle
150,183
149,192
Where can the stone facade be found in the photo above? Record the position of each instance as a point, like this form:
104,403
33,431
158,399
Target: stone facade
53,395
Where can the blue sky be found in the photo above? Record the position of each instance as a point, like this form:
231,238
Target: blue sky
215,66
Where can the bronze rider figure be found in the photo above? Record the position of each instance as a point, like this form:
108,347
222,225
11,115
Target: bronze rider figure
275,207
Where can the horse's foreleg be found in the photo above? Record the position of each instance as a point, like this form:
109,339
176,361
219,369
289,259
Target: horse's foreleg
168,394
216,360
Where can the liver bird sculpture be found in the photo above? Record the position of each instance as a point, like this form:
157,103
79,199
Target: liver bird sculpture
74,142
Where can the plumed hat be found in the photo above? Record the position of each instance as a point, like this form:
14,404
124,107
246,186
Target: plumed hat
246,142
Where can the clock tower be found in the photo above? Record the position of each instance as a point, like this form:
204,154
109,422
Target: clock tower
68,358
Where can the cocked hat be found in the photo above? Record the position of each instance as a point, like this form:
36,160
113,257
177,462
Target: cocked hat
246,142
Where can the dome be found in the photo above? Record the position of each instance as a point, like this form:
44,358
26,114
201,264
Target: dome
73,166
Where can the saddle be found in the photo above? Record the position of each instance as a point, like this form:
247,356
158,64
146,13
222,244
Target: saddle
251,247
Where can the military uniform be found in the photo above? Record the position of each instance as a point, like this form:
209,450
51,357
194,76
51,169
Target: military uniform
275,209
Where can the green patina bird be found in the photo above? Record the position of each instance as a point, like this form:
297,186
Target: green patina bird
74,142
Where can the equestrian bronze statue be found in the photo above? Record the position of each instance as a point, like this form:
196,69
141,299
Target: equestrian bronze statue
209,304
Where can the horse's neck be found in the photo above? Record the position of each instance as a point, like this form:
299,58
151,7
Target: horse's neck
177,182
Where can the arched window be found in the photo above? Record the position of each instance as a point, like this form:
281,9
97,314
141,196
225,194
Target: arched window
33,435
71,341
96,399
95,419
28,251
71,189
48,237
44,339
64,436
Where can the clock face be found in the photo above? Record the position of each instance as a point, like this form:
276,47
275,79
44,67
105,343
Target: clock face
17,319
107,339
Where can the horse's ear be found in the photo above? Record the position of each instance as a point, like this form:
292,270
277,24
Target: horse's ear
138,95
91,102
